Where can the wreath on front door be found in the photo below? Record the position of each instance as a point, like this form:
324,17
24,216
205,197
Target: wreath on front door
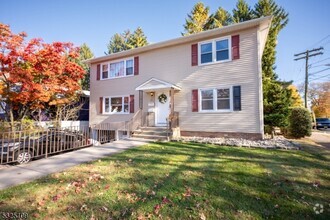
162,98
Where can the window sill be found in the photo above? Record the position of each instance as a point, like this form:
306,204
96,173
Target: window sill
116,113
214,112
216,62
119,77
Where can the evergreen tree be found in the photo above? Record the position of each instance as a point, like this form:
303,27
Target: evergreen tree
127,41
116,44
84,54
219,19
280,20
137,39
242,12
277,96
277,102
197,20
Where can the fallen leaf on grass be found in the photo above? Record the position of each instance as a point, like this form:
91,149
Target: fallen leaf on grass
157,209
57,197
36,215
83,207
104,209
202,216
188,192
166,200
316,184
107,187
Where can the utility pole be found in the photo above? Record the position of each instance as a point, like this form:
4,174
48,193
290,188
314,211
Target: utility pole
307,54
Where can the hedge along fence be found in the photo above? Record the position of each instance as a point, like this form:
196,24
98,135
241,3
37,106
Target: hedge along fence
300,123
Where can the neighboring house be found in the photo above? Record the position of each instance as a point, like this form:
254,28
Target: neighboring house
205,84
83,114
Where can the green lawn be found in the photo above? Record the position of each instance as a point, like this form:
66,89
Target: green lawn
182,181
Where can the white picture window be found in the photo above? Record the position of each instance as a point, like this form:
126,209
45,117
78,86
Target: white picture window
116,105
217,50
215,99
118,69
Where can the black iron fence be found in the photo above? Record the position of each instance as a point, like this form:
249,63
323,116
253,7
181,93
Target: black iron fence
23,146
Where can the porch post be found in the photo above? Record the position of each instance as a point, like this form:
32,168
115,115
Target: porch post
172,101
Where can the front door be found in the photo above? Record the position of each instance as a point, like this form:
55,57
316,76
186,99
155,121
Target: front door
162,100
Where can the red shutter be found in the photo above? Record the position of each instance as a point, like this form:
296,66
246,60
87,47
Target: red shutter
235,47
98,72
136,65
194,100
131,104
101,105
194,54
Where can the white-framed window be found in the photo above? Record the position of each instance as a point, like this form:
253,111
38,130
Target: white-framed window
216,99
116,69
214,51
116,105
105,71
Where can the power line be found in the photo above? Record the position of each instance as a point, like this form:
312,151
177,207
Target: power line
321,65
306,55
321,60
318,72
320,77
320,40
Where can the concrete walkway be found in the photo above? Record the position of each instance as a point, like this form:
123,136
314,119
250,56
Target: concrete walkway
15,175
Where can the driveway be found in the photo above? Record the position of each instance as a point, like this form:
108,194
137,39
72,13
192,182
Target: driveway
321,138
14,175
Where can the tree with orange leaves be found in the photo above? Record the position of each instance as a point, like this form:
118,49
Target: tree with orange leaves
35,74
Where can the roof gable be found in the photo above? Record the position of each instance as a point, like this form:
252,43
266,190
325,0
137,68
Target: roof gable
154,84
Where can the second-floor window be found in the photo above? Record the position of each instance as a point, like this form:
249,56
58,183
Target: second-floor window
118,69
214,51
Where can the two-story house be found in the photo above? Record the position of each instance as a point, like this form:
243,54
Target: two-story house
205,84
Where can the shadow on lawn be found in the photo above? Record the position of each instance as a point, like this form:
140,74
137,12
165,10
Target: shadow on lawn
183,180
200,182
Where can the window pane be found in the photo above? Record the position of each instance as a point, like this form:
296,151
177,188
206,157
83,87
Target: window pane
117,100
223,93
207,99
105,71
117,69
129,71
106,105
129,63
223,104
206,58
222,55
207,104
115,109
125,108
222,45
206,48
207,94
105,67
129,67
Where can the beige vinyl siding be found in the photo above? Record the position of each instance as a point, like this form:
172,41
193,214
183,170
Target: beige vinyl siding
173,65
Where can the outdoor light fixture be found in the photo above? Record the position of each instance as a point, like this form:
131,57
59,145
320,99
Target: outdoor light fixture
151,94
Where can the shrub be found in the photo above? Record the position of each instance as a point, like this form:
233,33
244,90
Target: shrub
300,123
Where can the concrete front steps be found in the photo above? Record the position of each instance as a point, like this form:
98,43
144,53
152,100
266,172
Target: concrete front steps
152,133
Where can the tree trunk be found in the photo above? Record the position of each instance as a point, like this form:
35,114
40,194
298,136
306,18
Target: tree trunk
12,122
